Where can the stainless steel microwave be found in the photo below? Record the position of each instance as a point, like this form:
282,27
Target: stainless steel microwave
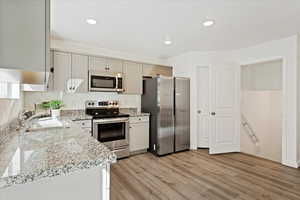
105,82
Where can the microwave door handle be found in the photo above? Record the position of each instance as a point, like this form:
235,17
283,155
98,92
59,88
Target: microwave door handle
117,82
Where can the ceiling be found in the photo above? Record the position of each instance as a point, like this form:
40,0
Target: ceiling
141,26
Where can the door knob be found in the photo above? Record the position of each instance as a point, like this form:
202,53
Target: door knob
213,113
199,111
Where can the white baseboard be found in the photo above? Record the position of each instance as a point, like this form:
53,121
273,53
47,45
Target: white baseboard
294,164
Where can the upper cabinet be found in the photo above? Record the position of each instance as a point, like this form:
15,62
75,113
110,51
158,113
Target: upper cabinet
62,63
79,72
154,70
24,34
70,72
133,73
105,64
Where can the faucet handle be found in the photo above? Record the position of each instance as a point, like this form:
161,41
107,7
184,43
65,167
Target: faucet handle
26,115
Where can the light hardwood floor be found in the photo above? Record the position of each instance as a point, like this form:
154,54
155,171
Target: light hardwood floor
197,175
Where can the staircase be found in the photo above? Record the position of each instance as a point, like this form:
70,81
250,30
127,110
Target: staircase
249,130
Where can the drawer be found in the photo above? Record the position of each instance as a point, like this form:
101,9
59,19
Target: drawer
84,123
139,119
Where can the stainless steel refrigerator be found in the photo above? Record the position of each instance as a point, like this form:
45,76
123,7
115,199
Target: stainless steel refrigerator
168,101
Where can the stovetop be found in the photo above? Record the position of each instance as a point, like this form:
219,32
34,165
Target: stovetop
105,116
103,109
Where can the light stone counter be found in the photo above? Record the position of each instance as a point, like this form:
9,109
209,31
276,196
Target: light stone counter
30,156
133,112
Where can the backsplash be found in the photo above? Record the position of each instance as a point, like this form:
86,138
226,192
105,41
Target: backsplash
76,101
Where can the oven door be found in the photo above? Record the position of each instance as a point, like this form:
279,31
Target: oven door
104,83
113,132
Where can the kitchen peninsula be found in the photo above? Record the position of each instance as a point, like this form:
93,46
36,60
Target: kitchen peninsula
59,163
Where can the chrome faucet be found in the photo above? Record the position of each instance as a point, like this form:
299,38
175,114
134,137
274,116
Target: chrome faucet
24,116
28,115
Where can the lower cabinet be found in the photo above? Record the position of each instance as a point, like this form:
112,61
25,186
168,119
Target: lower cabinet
138,134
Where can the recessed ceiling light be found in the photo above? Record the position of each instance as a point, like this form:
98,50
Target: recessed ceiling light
168,42
91,21
208,23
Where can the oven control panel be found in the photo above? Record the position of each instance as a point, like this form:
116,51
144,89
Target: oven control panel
101,104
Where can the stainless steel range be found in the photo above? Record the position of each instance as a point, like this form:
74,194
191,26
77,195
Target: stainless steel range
109,126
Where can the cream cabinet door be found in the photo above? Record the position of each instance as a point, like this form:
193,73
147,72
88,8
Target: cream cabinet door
139,136
165,71
133,79
80,71
62,63
105,64
50,85
97,63
154,70
114,65
24,34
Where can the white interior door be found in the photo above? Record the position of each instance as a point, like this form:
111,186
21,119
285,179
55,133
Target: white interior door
224,134
203,113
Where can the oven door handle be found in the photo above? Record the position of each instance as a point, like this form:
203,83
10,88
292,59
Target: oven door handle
106,121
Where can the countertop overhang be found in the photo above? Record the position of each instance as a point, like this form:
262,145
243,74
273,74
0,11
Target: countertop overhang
27,157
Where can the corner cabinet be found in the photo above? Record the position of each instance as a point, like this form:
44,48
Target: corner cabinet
68,70
133,78
154,70
24,34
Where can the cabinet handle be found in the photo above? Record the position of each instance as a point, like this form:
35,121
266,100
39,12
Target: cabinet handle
213,113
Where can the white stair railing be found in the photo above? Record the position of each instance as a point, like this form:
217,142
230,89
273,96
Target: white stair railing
249,130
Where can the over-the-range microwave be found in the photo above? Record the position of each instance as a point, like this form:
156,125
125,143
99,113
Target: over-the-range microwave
105,82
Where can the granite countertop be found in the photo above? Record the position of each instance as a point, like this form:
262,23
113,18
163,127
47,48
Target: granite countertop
133,112
76,115
30,156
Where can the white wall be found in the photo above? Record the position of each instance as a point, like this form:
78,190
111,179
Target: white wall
286,49
263,111
77,101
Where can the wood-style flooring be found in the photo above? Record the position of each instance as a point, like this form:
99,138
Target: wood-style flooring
197,175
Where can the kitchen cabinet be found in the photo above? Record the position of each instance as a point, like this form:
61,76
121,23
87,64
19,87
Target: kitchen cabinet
68,68
154,70
24,34
105,64
62,69
85,124
80,71
50,85
133,78
138,134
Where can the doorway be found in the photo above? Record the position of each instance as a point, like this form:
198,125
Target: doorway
218,119
261,109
